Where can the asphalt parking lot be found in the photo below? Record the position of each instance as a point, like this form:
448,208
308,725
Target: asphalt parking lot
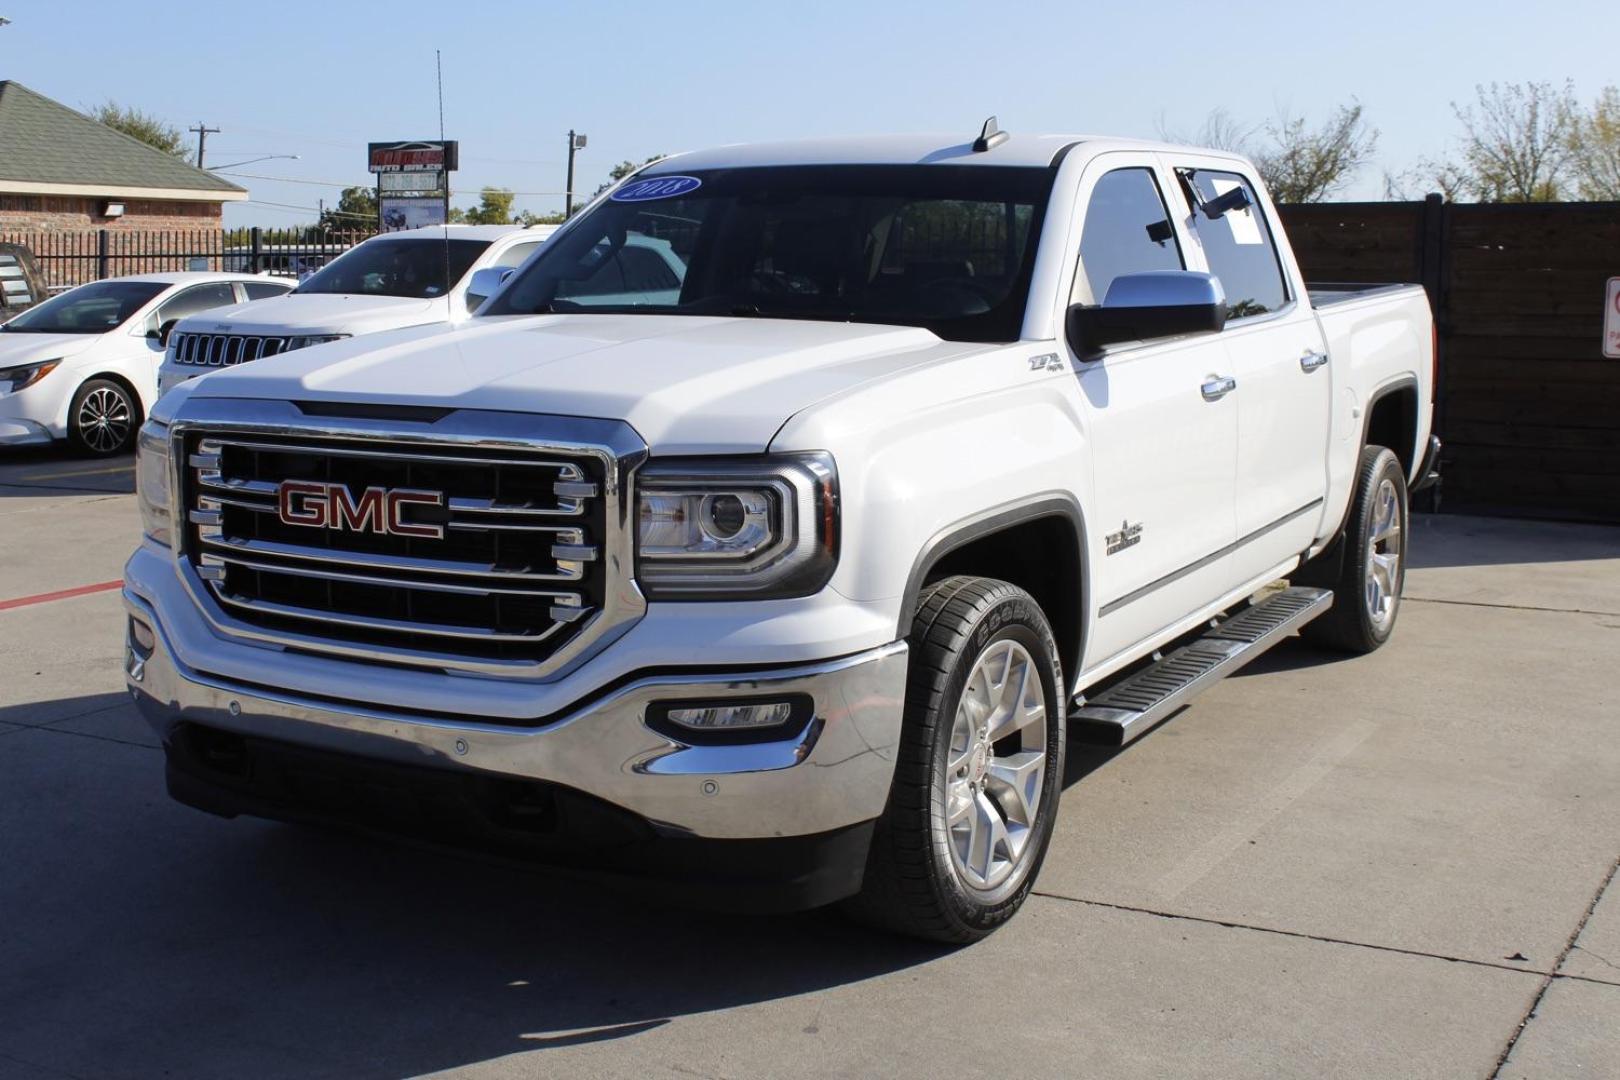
1395,866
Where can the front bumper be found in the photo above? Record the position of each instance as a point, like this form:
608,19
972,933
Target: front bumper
833,774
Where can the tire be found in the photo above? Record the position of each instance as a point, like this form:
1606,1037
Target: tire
925,876
1368,564
103,419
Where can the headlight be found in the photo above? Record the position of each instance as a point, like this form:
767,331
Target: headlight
719,529
312,339
152,482
21,378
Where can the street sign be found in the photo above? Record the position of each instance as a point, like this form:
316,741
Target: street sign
1611,320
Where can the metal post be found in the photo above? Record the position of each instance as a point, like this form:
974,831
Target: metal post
102,264
203,131
568,192
258,251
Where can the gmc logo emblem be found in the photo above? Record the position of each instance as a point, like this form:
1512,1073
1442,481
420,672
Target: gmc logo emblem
380,510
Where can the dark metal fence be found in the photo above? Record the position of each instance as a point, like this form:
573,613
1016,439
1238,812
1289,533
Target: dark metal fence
69,258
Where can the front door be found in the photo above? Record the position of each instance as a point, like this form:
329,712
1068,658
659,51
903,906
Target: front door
1162,434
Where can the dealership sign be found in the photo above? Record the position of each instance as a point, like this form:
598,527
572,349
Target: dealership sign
413,182
395,157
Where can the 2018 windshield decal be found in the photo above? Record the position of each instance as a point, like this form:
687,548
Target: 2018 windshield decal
656,187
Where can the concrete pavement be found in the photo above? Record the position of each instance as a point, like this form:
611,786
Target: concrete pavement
1397,865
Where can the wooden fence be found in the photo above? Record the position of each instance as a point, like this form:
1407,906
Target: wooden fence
1528,407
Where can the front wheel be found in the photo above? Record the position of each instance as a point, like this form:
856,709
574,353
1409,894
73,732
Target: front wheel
1371,570
979,770
103,418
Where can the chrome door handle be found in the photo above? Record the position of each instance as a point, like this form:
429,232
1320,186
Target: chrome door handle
1312,360
1217,387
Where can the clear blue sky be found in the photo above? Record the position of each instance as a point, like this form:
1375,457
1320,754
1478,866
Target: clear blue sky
321,79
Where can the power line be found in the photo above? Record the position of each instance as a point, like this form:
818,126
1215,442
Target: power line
350,183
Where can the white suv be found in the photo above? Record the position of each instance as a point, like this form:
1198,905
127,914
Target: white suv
389,282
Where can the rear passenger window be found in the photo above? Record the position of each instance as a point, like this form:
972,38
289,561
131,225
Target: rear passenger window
1127,231
1238,246
261,290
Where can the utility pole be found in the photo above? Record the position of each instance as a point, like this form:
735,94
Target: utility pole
575,142
203,131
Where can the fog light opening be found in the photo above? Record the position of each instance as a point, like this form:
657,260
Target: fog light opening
142,641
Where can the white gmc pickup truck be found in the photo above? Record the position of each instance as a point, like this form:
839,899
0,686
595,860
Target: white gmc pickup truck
777,567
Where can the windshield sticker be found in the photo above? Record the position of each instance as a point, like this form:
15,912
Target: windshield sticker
656,187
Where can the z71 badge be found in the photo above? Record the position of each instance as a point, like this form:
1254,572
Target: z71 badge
1128,536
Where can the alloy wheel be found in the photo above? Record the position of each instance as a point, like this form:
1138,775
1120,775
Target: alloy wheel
1383,572
996,766
105,419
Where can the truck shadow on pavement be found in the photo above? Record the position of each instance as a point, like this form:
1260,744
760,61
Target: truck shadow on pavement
162,941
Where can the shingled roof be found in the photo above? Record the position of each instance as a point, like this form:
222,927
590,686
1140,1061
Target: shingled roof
48,148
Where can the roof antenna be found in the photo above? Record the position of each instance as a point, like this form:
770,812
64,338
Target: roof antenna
990,136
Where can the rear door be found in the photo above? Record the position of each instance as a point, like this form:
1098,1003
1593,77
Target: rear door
1278,356
1162,452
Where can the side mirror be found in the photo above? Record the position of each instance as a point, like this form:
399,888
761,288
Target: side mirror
1148,306
161,334
486,283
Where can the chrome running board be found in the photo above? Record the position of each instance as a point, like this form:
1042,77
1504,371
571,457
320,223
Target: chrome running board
1133,705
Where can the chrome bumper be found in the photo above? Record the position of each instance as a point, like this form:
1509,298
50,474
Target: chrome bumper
836,773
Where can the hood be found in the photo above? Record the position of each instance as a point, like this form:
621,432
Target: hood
17,349
316,313
686,384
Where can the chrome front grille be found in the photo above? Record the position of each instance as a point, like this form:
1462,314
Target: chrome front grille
523,574
224,350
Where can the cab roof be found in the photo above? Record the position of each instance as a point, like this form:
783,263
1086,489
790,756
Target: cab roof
1032,150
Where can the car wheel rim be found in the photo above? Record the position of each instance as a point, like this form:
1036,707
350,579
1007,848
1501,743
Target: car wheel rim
996,767
105,419
1383,571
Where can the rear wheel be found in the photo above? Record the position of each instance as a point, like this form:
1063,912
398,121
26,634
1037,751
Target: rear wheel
103,418
980,766
1371,567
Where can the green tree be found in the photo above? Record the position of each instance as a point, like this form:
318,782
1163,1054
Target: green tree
622,170
494,208
1301,164
1595,148
143,126
356,210
1517,141
529,217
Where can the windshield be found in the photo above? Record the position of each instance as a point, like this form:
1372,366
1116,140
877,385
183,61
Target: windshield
947,247
95,308
412,268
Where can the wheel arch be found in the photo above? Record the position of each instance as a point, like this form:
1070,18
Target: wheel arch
1392,421
1037,543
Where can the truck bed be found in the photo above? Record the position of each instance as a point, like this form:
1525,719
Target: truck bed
1325,294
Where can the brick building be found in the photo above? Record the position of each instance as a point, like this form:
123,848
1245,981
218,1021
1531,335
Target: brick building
61,170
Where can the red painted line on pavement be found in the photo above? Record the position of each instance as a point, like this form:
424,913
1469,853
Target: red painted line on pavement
60,594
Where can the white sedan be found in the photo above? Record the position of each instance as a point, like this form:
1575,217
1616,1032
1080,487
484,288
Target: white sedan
83,365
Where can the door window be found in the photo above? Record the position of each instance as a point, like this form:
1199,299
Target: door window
261,290
195,299
1238,245
1127,231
